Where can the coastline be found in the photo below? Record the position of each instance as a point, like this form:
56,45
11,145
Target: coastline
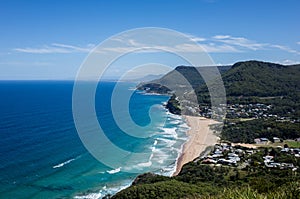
200,136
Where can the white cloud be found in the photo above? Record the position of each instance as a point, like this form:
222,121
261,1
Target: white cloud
195,38
221,37
239,41
56,48
19,63
215,44
198,39
298,42
288,62
252,45
214,48
116,49
88,48
184,47
44,50
285,48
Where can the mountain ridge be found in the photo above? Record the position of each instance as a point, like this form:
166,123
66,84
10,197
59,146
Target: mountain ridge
244,82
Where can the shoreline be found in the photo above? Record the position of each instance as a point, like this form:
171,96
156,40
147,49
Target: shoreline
200,136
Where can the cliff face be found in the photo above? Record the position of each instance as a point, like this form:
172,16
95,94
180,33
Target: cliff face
173,105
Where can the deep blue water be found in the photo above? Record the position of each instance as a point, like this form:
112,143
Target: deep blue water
42,156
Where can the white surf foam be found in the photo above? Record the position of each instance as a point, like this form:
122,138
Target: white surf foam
145,164
167,142
175,122
117,170
184,125
63,164
104,191
169,132
144,93
90,196
173,116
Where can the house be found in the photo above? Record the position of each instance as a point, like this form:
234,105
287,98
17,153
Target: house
296,151
257,141
218,151
224,161
209,161
287,165
249,151
217,155
268,158
274,164
239,151
234,159
276,139
261,140
285,150
232,155
264,140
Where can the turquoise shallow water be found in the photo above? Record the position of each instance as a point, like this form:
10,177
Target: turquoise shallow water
43,157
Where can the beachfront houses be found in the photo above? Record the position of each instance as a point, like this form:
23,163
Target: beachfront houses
245,111
223,154
228,155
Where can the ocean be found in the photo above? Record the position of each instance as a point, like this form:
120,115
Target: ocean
42,156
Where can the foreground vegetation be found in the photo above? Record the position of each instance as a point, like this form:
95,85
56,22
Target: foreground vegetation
197,180
289,191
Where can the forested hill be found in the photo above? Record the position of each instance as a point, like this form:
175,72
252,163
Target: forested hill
262,79
249,78
245,82
182,78
253,82
191,74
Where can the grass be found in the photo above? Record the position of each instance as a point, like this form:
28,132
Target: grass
293,144
290,191
290,143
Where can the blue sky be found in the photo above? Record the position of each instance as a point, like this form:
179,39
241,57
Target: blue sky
49,39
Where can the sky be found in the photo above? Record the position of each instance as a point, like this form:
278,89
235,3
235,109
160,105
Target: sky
50,39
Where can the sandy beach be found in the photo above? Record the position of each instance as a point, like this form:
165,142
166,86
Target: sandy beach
200,136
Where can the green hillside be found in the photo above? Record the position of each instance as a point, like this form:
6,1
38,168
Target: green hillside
203,181
249,78
268,95
262,79
244,82
181,79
